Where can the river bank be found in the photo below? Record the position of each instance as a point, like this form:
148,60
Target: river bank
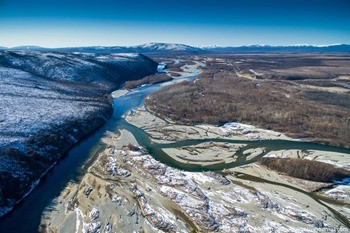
70,167
130,188
46,110
184,178
127,189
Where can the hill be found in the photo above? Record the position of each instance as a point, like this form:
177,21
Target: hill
49,102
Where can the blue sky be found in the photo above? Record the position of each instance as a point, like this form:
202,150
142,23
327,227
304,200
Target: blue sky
59,23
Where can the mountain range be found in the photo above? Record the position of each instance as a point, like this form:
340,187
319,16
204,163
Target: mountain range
173,49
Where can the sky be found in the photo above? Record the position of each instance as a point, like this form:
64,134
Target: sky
62,23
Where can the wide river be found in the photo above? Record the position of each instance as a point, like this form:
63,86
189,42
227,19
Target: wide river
27,215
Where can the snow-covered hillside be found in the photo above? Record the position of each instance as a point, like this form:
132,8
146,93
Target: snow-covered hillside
48,102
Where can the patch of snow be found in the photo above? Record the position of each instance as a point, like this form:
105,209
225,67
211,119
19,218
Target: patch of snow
92,227
339,192
233,128
94,214
199,177
79,215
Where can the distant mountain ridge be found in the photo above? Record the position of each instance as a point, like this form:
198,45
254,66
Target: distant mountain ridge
339,48
173,49
150,48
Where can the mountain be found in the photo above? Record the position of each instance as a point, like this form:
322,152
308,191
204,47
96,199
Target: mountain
150,48
48,102
180,49
280,49
29,48
165,47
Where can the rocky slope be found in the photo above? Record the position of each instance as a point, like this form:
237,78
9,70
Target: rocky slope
48,102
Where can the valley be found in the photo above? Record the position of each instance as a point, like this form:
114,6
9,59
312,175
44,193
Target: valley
210,144
156,174
174,116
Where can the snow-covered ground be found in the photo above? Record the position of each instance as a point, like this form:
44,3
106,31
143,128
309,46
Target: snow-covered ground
250,131
48,102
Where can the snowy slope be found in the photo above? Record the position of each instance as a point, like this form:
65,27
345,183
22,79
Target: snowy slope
48,102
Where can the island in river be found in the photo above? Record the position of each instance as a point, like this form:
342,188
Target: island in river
158,173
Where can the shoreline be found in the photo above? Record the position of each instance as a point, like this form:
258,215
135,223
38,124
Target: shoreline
127,163
114,94
37,182
124,175
47,109
140,118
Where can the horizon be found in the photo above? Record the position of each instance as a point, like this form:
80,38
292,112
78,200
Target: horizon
196,23
174,116
207,46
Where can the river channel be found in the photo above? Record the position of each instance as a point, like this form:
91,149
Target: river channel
27,215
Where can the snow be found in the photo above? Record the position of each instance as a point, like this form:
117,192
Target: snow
340,192
128,55
254,72
313,45
161,67
229,207
79,215
47,96
92,227
161,218
134,153
165,46
249,131
33,98
236,128
94,214
199,177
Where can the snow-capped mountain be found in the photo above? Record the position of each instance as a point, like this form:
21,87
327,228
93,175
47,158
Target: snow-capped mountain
178,49
28,47
150,48
337,48
163,47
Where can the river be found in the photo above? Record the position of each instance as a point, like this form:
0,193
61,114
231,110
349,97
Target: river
27,215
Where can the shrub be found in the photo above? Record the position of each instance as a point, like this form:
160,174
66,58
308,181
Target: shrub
305,169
